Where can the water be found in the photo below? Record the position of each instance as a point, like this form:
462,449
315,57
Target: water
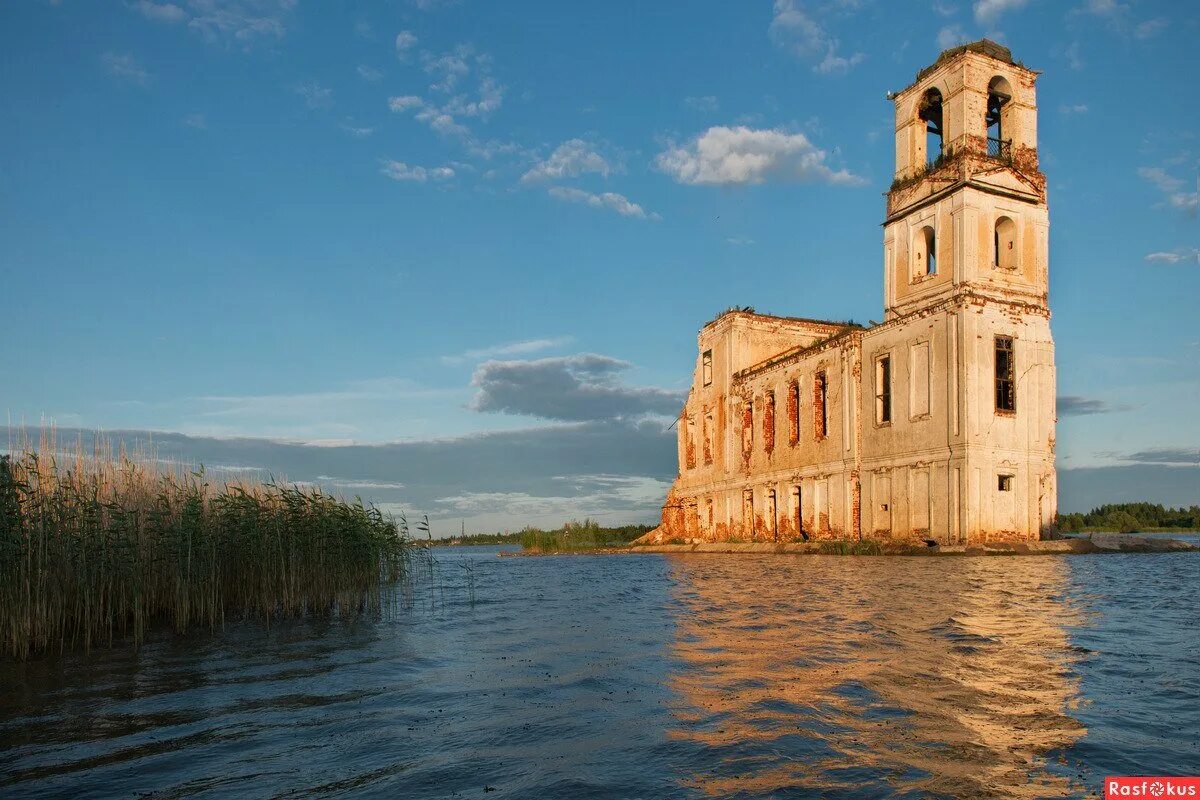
650,676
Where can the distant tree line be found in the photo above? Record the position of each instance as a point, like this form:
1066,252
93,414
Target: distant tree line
1132,518
588,531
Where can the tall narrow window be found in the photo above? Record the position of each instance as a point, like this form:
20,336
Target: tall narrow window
706,367
883,389
793,412
748,513
708,433
798,511
820,417
925,253
747,429
930,111
999,95
773,515
769,421
1005,244
690,445
1006,389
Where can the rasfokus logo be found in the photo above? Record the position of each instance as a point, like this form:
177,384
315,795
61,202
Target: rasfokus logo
1152,787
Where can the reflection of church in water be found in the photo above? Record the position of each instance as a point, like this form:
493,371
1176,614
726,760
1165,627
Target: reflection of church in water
937,423
854,680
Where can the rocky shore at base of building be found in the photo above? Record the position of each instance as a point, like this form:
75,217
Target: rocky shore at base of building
1072,545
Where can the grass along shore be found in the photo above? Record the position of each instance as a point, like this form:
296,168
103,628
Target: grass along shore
95,547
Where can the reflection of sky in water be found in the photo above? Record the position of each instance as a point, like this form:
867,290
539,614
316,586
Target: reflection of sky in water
650,677
946,677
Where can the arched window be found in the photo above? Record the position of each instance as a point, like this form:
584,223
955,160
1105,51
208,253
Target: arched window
999,99
924,253
1005,244
930,110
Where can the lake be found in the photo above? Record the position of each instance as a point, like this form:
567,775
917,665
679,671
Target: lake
649,676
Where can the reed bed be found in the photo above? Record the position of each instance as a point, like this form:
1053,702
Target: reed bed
101,546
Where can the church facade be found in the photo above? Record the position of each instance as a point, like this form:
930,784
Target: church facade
936,424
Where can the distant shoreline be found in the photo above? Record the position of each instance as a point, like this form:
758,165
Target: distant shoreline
1097,543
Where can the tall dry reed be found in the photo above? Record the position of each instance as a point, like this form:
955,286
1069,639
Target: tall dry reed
100,546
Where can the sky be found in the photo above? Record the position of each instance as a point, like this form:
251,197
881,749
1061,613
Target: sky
453,256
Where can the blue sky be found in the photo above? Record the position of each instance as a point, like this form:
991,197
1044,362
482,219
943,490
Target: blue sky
435,230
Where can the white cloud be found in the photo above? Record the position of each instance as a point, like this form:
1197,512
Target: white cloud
161,12
196,121
358,133
509,349
569,160
739,241
1175,256
610,200
707,103
448,68
441,122
243,22
1078,108
723,156
1172,188
368,73
405,102
315,95
125,67
1105,8
1150,28
405,42
399,171
795,30
988,12
490,95
951,36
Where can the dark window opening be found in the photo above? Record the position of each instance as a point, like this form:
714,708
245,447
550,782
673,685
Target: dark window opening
931,112
820,394
706,367
999,95
1006,396
1005,483
883,389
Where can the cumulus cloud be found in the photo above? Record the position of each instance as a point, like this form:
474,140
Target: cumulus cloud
161,12
405,42
404,102
608,200
125,67
795,30
988,12
1076,406
570,159
399,171
723,156
573,388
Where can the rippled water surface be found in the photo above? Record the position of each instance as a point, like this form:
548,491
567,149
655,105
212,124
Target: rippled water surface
651,676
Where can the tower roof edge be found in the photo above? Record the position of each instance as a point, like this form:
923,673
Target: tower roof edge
983,47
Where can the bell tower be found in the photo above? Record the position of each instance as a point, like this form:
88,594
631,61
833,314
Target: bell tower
966,212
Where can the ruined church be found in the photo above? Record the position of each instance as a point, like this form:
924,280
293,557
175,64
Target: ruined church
936,424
